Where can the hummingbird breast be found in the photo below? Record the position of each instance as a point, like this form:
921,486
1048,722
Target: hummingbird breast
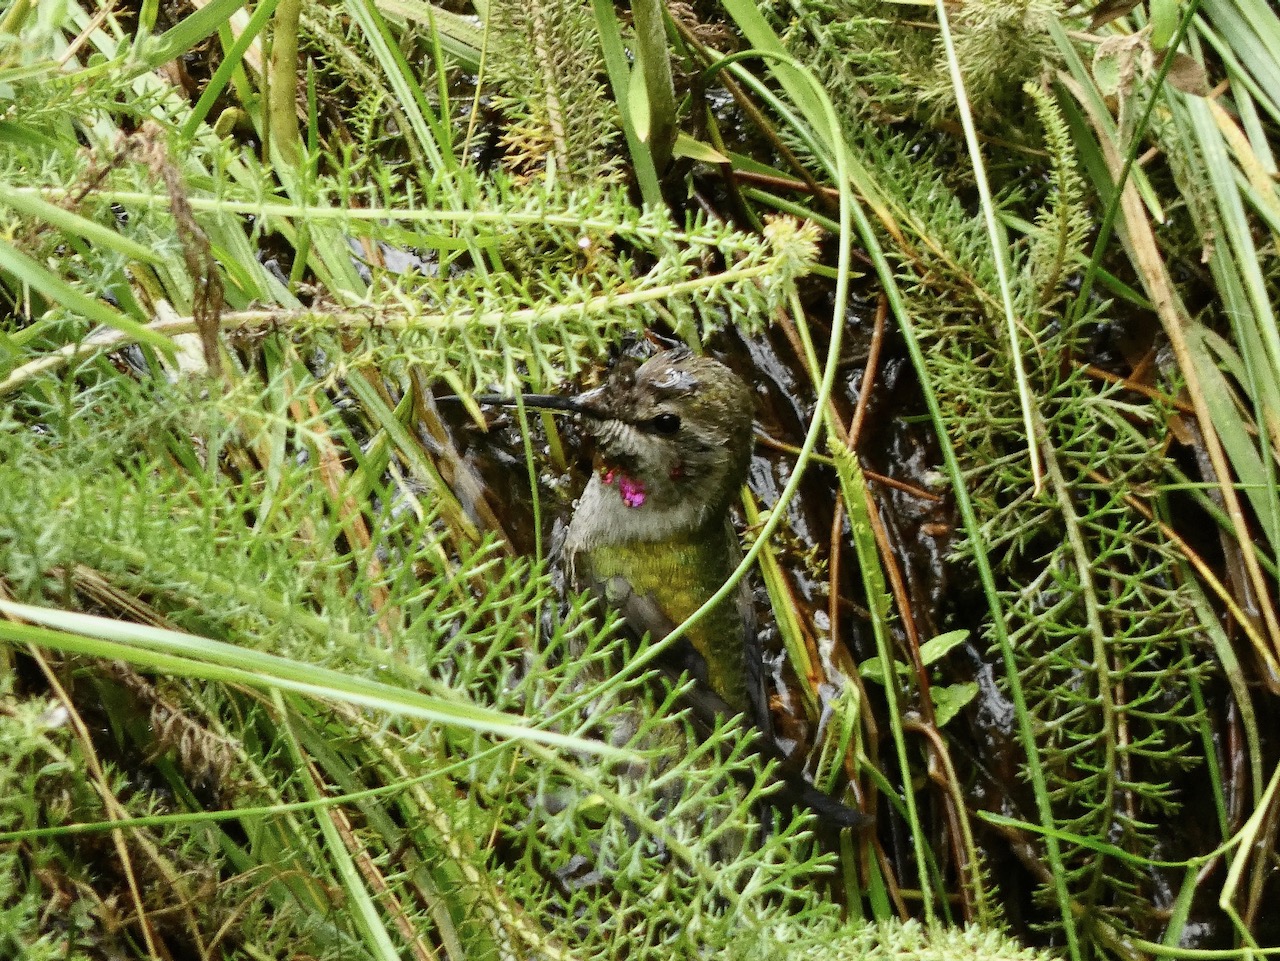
656,568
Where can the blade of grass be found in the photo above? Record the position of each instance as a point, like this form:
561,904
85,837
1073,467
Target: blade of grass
999,247
190,656
619,70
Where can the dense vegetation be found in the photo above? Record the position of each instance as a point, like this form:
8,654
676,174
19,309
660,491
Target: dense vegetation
288,669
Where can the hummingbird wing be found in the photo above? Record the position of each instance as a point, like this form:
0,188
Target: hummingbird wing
644,615
754,648
648,611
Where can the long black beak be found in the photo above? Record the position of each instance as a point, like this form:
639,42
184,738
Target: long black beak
552,402
537,401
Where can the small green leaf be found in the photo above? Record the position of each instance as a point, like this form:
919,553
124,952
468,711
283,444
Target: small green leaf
938,647
691,149
1164,21
1106,70
950,700
872,669
638,102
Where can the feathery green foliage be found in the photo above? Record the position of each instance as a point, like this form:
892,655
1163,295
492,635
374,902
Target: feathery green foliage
414,606
880,59
557,117
1102,633
285,609
1090,587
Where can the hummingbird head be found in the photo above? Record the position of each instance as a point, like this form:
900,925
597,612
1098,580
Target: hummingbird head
676,431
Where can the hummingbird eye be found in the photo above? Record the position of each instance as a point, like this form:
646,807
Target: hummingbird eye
665,423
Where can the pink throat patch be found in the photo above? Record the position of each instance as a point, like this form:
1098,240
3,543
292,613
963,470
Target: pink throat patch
629,489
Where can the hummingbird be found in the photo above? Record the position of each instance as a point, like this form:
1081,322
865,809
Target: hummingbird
652,535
